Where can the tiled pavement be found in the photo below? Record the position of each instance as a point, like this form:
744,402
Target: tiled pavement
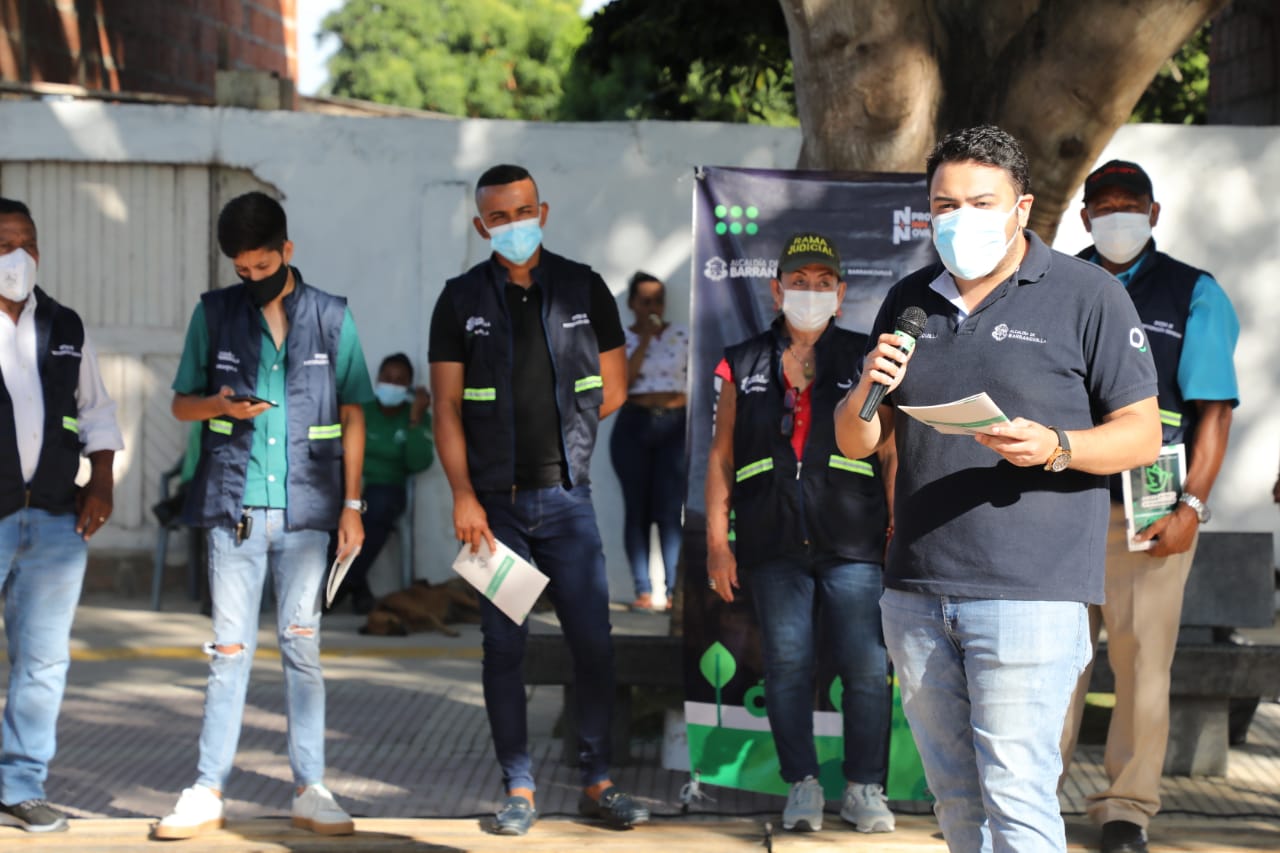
408,736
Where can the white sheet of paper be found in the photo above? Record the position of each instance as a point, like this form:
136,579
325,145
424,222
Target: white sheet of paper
505,578
337,572
976,414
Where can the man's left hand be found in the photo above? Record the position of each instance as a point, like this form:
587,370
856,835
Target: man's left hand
1173,533
93,506
1022,442
350,532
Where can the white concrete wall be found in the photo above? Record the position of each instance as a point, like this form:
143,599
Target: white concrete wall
380,212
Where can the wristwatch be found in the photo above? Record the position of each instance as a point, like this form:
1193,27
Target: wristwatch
1201,510
1060,458
359,506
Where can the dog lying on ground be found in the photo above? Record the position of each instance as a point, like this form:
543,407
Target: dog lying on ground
423,607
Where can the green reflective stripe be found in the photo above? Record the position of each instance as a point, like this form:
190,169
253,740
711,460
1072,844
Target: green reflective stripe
70,423
220,427
480,394
758,467
326,431
586,383
1168,418
857,466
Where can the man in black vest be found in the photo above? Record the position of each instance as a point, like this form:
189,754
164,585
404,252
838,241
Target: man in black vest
53,408
273,368
1192,330
527,354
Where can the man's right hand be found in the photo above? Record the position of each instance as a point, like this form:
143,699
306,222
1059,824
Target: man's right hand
471,523
241,411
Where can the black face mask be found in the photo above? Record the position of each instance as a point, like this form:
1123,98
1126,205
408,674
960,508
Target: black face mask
264,290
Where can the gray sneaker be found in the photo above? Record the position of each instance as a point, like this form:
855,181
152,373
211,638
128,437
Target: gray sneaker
865,807
36,816
804,806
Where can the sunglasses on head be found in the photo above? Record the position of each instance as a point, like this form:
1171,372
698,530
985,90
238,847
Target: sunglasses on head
789,415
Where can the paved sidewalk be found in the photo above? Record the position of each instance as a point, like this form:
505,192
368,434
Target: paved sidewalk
409,755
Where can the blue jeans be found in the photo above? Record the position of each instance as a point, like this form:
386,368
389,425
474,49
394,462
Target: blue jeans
237,572
556,529
42,562
985,686
786,594
647,449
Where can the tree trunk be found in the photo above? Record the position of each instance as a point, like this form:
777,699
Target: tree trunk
879,81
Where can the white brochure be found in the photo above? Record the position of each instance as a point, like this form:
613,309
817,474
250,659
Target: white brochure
337,572
505,578
976,414
1152,492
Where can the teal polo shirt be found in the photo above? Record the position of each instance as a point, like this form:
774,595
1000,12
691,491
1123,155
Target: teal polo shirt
268,461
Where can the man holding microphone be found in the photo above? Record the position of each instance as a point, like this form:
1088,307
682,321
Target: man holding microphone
998,541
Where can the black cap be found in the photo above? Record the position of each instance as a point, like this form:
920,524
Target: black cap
1117,173
806,248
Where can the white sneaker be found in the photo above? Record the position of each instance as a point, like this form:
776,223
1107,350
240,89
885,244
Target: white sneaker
865,807
805,801
199,810
316,810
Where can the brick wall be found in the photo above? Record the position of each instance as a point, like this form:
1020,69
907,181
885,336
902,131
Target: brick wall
171,47
1244,64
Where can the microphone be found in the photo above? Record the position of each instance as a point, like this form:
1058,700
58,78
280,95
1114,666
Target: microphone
910,324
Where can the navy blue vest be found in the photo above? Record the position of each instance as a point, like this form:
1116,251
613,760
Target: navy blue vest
488,416
1161,291
59,349
314,485
825,505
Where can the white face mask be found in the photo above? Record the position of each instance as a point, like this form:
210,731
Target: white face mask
971,241
17,275
809,310
1120,237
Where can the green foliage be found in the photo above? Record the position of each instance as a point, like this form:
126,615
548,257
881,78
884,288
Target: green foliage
476,58
711,60
1179,94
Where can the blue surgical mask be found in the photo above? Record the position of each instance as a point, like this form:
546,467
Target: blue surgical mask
391,395
971,241
516,241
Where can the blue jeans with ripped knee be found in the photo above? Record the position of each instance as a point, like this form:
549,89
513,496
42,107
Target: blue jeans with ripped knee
237,572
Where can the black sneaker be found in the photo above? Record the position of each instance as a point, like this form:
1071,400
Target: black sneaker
1122,836
36,816
615,808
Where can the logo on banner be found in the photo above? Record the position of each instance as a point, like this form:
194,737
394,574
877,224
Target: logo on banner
736,219
910,225
718,269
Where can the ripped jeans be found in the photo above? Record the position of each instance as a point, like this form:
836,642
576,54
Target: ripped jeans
297,561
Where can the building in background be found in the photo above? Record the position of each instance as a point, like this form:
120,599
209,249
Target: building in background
1244,64
162,47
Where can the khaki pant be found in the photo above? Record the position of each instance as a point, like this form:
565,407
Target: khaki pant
1142,611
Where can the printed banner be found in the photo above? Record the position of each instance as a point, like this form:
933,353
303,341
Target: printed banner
741,218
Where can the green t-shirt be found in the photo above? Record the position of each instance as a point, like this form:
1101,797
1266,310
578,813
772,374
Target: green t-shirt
268,461
392,448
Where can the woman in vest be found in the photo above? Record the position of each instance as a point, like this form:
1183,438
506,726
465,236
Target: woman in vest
810,534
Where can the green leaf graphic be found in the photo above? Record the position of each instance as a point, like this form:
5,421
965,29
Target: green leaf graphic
717,665
1158,478
836,693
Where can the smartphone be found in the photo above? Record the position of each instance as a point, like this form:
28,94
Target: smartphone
249,398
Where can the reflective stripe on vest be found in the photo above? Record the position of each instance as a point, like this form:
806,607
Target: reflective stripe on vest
480,394
586,383
758,467
857,466
1168,418
221,427
70,423
326,431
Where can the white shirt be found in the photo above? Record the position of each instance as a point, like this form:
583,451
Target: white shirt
666,361
96,411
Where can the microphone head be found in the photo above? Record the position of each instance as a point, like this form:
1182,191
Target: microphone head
911,321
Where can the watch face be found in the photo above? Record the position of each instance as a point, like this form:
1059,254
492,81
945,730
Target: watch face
1061,461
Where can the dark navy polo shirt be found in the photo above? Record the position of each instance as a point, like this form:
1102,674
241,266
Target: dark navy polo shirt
1059,343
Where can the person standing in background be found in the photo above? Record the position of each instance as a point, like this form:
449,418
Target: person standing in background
53,409
397,446
647,444
1192,329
